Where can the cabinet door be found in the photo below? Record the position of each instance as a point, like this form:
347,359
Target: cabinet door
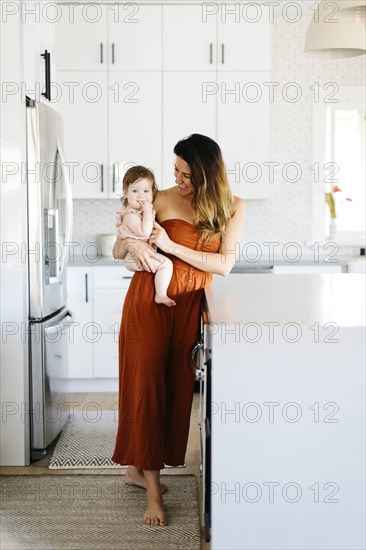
81,35
83,108
134,37
189,38
244,45
80,349
243,132
188,109
106,356
108,304
135,111
34,64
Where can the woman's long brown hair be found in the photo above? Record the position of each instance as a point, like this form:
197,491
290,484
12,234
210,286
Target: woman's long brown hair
212,197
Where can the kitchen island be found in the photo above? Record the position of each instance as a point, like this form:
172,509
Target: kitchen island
287,411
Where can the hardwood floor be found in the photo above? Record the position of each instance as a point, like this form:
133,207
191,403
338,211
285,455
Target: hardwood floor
109,401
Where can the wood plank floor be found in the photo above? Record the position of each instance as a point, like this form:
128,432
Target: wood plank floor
109,401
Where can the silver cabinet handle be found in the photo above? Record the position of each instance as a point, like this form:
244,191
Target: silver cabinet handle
222,53
86,288
210,53
101,52
113,52
102,178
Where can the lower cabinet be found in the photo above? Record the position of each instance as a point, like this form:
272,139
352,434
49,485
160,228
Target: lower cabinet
95,297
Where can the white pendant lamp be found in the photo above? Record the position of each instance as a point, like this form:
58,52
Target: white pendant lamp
337,34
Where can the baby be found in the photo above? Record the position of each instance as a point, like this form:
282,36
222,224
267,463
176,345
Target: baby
136,219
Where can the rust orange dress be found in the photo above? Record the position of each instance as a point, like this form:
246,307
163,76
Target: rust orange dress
156,383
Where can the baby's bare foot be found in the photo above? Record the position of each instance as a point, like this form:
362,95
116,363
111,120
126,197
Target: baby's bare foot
163,299
135,477
155,514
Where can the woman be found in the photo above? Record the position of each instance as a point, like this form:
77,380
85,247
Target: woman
199,225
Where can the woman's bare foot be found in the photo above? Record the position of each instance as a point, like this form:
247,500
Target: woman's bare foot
155,514
163,299
135,476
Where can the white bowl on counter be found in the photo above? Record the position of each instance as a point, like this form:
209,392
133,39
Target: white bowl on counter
106,242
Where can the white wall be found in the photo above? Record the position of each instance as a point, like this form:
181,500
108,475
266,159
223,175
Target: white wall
14,448
287,215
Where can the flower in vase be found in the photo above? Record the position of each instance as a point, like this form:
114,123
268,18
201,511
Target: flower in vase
329,199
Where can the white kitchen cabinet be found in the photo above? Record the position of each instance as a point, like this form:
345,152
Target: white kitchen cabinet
243,131
83,108
115,36
134,37
217,38
80,303
189,43
33,62
242,44
153,75
184,113
82,37
39,34
135,112
214,85
96,296
106,356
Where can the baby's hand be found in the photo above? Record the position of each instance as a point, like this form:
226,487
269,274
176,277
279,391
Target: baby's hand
147,206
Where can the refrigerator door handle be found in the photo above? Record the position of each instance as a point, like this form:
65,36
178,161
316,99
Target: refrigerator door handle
68,197
60,327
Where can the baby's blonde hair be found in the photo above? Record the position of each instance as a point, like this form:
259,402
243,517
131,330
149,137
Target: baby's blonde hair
134,174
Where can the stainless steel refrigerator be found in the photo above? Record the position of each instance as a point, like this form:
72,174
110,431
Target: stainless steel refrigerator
49,232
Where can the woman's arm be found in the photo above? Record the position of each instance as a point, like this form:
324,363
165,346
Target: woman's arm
221,262
141,251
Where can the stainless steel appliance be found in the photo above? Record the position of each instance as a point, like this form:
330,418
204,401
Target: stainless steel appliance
49,232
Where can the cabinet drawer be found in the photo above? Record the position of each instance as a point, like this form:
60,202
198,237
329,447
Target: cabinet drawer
111,277
108,304
106,357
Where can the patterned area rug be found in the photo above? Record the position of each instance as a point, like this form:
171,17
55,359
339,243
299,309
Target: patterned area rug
90,512
87,442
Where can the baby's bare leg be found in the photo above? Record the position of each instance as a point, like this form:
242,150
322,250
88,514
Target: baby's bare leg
163,276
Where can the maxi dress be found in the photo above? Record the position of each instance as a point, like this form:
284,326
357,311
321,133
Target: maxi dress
156,378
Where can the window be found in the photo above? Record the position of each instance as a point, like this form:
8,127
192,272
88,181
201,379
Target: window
346,149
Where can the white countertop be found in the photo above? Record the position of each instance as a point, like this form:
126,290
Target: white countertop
302,299
91,261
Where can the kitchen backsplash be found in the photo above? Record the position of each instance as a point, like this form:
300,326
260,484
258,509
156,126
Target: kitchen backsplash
286,215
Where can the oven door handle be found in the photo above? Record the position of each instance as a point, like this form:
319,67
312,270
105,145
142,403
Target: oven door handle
200,372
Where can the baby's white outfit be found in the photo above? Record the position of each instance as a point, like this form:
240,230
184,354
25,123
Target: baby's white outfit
123,231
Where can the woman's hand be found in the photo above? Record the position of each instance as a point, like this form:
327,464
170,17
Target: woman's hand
140,250
160,238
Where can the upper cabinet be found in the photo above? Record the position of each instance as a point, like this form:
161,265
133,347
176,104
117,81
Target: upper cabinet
82,37
210,37
215,64
38,36
115,36
189,44
134,37
243,45
163,71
